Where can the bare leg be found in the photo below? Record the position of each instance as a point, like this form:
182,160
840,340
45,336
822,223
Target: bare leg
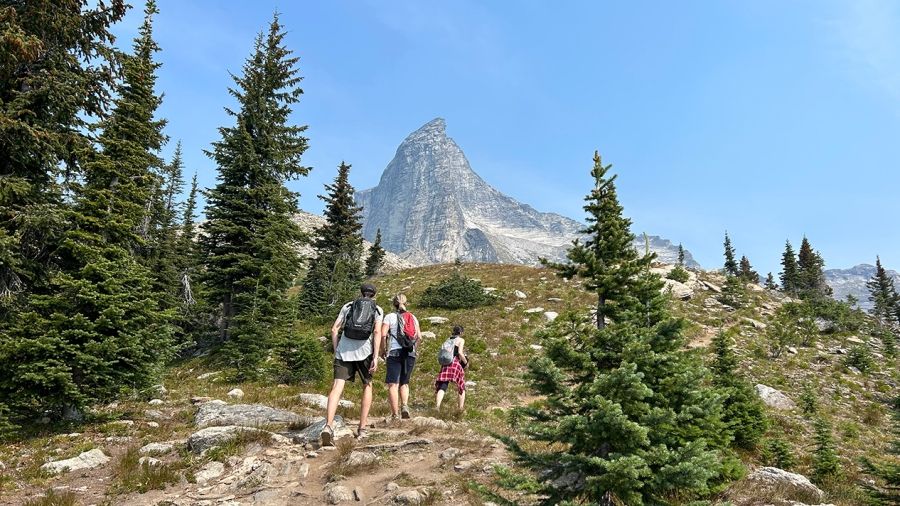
462,400
404,395
366,404
392,399
438,399
333,398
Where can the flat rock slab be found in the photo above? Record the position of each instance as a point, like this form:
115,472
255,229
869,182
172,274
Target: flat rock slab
210,437
156,449
786,483
312,433
87,460
774,398
437,320
320,401
427,422
219,413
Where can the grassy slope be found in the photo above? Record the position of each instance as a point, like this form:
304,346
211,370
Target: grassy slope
499,339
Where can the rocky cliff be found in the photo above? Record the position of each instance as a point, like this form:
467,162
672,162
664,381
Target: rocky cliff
432,207
852,281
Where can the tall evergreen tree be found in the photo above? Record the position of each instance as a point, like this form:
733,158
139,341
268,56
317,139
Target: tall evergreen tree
680,255
882,293
770,282
628,412
746,271
99,330
731,265
186,248
744,414
162,250
810,274
250,237
606,261
376,256
336,271
56,67
790,272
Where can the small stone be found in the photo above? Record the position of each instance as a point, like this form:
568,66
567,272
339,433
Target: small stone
210,471
534,310
520,294
449,454
392,487
156,449
428,334
153,425
123,423
357,495
554,299
200,400
551,315
536,347
774,398
427,422
792,350
361,458
303,471
855,340
156,402
209,375
160,390
437,320
410,497
236,394
154,414
312,455
336,494
463,465
149,461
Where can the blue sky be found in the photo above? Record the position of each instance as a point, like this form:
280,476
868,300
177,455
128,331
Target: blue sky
771,119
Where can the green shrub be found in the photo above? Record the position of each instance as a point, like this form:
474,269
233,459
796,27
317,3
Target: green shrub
734,293
860,358
825,460
777,453
302,360
679,274
808,401
456,292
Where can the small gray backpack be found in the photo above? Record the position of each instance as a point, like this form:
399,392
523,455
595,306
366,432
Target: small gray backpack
445,356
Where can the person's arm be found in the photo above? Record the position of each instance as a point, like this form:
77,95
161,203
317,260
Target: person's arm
418,330
462,354
377,343
336,329
385,336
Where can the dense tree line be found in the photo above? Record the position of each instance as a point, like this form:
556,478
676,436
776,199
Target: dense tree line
105,274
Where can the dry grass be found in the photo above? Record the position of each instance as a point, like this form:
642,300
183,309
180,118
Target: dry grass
54,498
133,476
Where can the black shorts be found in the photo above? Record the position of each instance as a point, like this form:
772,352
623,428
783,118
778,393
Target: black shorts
348,370
400,365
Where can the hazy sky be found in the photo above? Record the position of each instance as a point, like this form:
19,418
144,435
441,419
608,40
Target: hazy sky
771,119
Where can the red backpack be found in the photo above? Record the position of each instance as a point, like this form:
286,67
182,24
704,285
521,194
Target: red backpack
406,330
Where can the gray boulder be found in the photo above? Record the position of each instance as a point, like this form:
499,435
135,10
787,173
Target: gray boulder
314,431
336,494
210,437
215,413
783,483
320,401
774,398
87,460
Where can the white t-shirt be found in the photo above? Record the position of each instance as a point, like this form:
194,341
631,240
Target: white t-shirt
391,321
353,350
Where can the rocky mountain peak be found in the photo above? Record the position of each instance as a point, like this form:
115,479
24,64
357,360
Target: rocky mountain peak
431,207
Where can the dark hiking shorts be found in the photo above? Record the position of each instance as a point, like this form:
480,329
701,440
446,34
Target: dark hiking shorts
400,366
348,370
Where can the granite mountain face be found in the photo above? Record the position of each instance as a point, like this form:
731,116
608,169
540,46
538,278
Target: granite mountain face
852,281
432,208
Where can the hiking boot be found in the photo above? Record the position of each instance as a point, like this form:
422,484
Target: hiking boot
404,412
326,438
362,434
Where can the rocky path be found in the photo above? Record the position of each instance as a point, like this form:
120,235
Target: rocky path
246,454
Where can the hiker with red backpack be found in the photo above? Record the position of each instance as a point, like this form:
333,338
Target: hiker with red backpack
356,336
401,333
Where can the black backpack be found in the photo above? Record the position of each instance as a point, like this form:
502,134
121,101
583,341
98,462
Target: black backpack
360,320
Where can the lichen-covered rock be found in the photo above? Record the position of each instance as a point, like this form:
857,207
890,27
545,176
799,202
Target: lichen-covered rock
336,494
789,485
87,460
156,449
320,401
210,437
214,413
774,398
210,471
361,458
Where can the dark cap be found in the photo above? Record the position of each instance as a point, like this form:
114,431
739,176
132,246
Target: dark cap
367,288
